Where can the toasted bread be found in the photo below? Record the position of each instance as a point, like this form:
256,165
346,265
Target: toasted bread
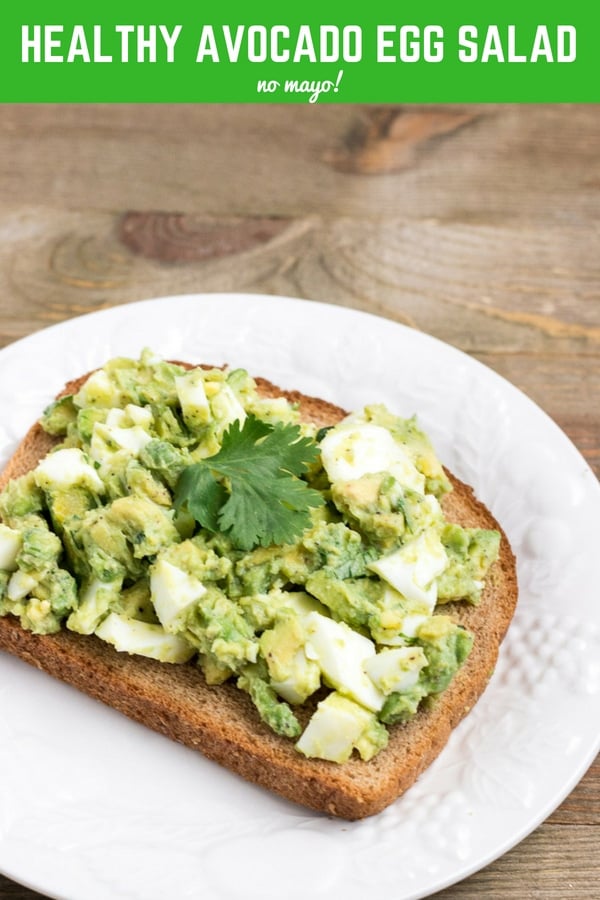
221,721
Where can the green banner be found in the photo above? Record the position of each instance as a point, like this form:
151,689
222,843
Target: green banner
310,53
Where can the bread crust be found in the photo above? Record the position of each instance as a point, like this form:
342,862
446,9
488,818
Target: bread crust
222,722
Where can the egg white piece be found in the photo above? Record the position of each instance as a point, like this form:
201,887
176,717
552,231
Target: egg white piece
334,728
340,653
139,415
173,592
94,602
192,397
355,449
133,439
227,408
66,468
302,604
97,391
10,545
395,669
144,638
412,569
19,585
303,680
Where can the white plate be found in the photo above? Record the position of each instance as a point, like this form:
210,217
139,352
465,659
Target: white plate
93,805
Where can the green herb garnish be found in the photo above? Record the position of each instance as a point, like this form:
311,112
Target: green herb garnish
251,490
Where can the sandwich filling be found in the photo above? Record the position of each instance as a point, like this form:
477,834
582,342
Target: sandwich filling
184,517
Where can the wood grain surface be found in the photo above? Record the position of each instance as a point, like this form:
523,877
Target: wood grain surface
477,224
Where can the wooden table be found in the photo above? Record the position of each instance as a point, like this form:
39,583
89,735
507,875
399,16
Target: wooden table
477,224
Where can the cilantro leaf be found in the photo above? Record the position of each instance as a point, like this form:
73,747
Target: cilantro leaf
203,495
257,446
251,489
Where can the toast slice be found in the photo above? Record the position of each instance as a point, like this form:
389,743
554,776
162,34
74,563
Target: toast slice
222,722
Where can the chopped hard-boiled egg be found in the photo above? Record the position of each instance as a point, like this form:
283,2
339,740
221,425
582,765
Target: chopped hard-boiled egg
192,397
20,584
10,545
108,439
334,729
139,415
37,610
406,626
66,468
302,679
274,409
173,592
397,669
116,418
302,603
98,391
94,603
292,674
123,429
411,624
226,407
143,638
352,450
340,653
131,415
412,569
399,618
132,439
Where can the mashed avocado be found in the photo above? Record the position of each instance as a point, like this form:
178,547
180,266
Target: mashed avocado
344,609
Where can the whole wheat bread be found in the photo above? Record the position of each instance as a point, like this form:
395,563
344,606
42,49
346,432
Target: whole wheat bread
222,722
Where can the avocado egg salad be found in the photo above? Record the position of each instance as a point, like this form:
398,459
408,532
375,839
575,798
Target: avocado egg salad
186,517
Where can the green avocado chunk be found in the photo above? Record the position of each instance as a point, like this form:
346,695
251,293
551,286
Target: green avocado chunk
274,712
471,552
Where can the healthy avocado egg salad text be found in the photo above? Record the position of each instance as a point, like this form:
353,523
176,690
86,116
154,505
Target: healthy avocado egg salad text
185,517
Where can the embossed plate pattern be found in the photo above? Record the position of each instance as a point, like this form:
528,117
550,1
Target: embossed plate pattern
93,805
